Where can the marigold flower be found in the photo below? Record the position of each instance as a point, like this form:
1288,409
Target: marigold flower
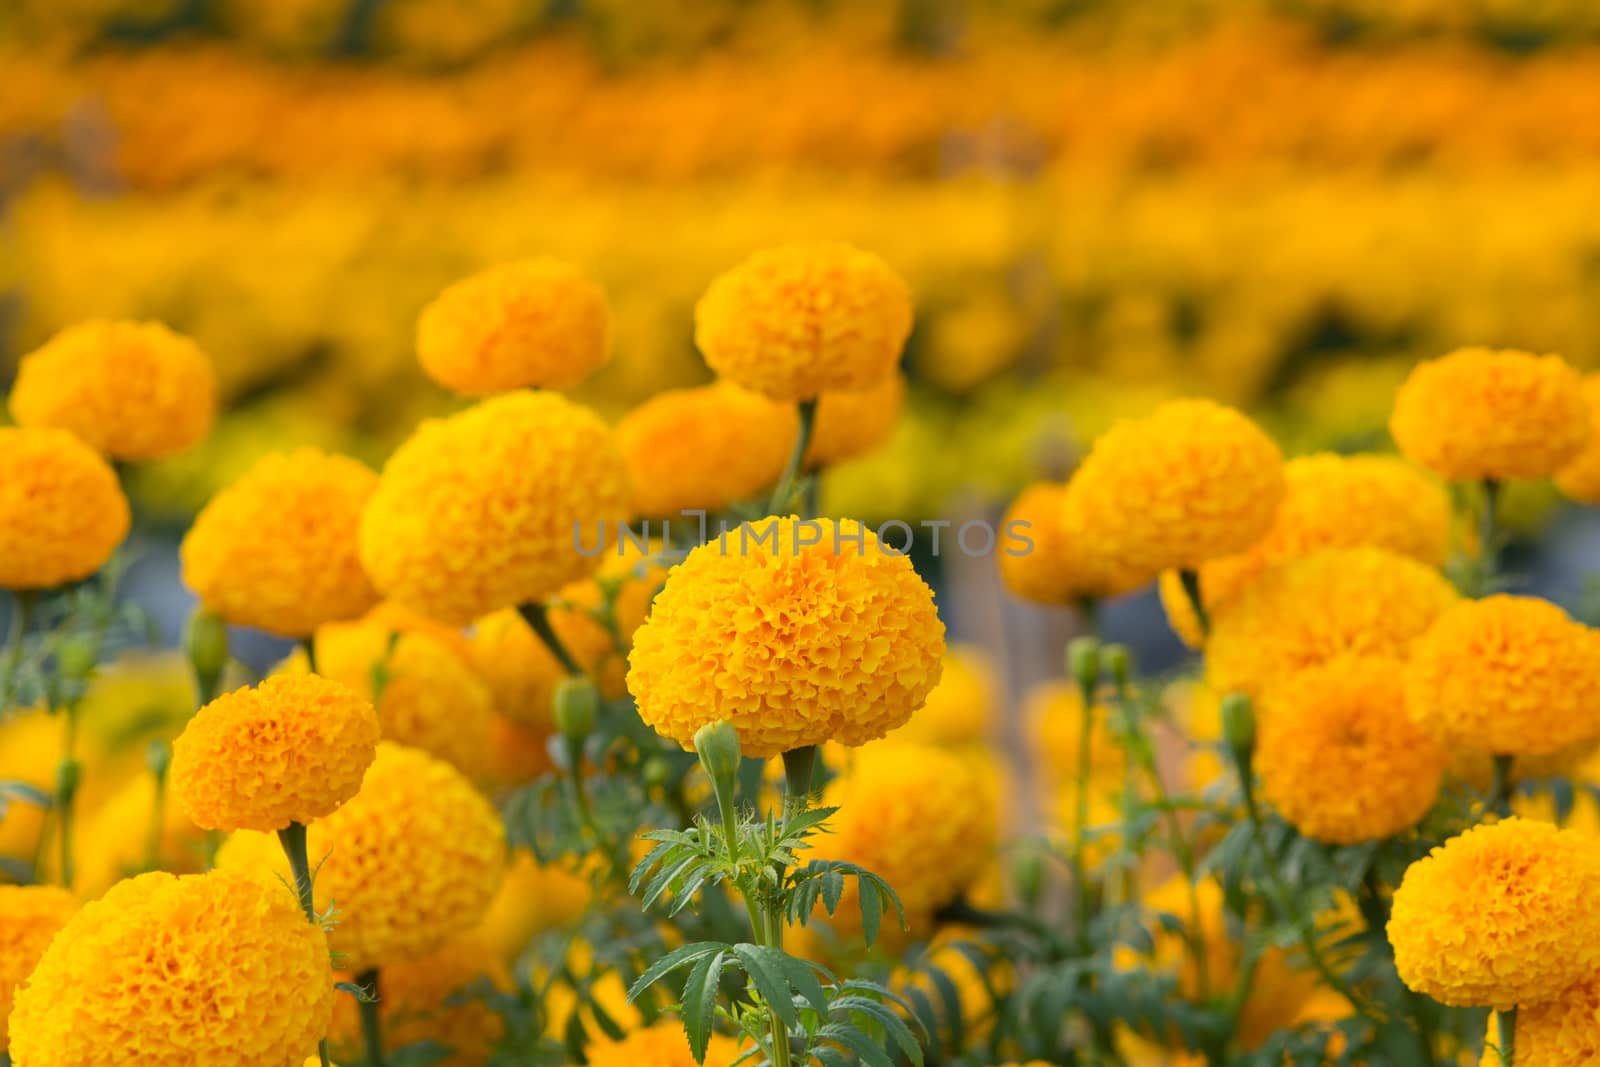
290,750
798,320
480,511
1579,479
805,631
114,837
62,512
1491,413
1338,757
1053,711
413,860
1362,601
138,976
431,998
1059,562
1505,914
662,1044
30,915
534,897
131,390
853,424
537,322
1564,1032
277,549
1331,501
958,710
1506,674
1190,482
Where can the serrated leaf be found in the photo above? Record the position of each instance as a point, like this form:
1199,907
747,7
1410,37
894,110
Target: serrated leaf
678,957
700,1002
651,858
829,1057
892,1024
867,1050
803,980
765,967
663,880
871,909
360,992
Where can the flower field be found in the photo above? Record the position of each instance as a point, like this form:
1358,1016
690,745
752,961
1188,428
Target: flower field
916,533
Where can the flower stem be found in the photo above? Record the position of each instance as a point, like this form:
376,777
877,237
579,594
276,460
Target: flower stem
791,470
1080,816
158,822
292,838
371,1022
1508,1037
67,773
1488,549
537,616
1500,789
1191,589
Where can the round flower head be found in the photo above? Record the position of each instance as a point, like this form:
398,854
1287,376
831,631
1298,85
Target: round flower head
62,512
164,969
1045,558
1564,1032
1505,914
1486,413
1338,757
538,322
277,549
1363,601
1332,502
481,511
132,390
1190,482
433,998
30,915
1579,479
798,320
852,424
796,631
706,447
412,861
290,750
1508,675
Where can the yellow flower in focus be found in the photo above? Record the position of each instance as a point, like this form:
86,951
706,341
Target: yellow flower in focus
1503,915
132,390
431,998
853,424
1339,758
1362,601
1045,558
799,320
1579,479
803,631
1508,675
662,1044
958,710
138,977
1188,483
293,749
277,548
480,511
62,512
1564,1032
30,915
1488,413
413,860
538,322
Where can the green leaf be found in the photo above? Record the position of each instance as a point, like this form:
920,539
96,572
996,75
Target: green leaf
653,857
663,881
869,1051
362,994
871,909
765,966
700,1002
26,793
829,1057
803,981
678,957
892,1023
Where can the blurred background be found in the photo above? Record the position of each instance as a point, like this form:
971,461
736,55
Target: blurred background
1279,203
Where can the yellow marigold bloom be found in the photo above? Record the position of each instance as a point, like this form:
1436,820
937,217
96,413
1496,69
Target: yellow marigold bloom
30,915
1338,756
413,860
1508,675
1505,914
138,976
799,320
62,512
914,816
1362,601
1190,482
431,998
292,749
31,745
1053,711
705,447
480,511
533,898
1331,502
662,1044
853,424
1580,478
1564,1032
1045,558
1488,413
958,709
132,390
804,631
538,322
114,838
277,549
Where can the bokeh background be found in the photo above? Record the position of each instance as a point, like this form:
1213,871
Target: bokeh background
1279,203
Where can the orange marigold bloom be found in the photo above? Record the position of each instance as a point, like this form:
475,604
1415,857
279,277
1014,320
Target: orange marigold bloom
277,548
1338,757
30,915
852,424
481,511
959,709
663,1044
804,631
1579,479
62,512
1508,675
1056,563
132,390
292,749
538,322
1488,413
798,320
1505,914
431,998
1564,1032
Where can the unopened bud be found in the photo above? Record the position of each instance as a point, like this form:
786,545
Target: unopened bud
1239,729
76,658
1083,662
1117,662
1028,873
577,707
67,773
205,639
717,745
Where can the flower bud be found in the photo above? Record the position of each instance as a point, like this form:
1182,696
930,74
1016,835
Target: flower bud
577,707
67,774
717,745
1239,729
205,639
1083,662
158,757
1117,661
76,658
1027,873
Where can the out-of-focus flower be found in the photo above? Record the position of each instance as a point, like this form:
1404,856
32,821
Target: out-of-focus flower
132,390
114,842
1492,413
799,320
804,631
1579,479
62,512
853,424
1502,915
534,897
1553,1033
1053,711
662,1044
538,322
1045,557
959,709
481,511
30,915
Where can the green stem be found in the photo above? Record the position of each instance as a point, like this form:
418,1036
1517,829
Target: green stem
158,823
1508,1037
371,1021
1080,816
799,769
1191,589
537,616
67,773
309,646
1488,548
292,839
1500,789
21,618
781,1053
791,469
